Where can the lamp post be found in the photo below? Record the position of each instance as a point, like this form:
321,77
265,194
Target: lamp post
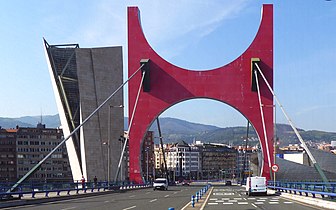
122,140
109,143
147,164
108,161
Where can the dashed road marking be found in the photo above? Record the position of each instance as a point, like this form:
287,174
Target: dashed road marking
166,196
152,200
258,202
131,196
227,203
242,203
288,202
132,207
273,202
69,208
212,203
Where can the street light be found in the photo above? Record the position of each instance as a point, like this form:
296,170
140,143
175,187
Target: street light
147,164
108,161
109,142
122,140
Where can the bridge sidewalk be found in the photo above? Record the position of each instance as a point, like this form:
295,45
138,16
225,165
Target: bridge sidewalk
319,202
52,196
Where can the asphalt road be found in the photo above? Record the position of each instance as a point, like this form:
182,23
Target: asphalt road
221,197
143,199
234,197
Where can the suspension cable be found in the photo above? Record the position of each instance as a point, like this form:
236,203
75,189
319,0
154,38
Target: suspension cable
130,125
263,120
310,155
287,117
72,133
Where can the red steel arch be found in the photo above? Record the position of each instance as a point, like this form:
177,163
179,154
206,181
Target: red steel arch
170,84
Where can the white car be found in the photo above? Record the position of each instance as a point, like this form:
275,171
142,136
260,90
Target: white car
160,183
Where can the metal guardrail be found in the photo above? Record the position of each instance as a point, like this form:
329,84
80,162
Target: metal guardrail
46,189
306,188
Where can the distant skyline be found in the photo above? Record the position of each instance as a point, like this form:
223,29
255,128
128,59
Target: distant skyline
188,33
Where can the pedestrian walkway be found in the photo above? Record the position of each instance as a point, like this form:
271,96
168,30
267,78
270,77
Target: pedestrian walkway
42,197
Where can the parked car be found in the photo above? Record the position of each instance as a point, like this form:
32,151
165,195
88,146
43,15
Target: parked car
160,183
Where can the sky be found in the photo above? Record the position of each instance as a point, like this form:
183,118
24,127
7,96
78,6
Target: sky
193,34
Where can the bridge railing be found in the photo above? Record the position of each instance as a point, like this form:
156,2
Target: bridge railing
306,188
32,189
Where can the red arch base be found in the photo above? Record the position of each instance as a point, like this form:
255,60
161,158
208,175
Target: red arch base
170,84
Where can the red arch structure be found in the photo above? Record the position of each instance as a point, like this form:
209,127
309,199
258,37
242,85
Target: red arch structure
170,85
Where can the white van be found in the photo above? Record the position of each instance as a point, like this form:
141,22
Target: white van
160,183
256,185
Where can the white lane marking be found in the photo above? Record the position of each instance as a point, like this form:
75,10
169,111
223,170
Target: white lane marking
152,200
242,203
225,198
232,200
250,198
175,192
213,199
219,201
132,207
131,196
147,193
106,201
227,203
212,203
166,196
273,202
254,205
237,198
258,202
69,208
287,202
244,199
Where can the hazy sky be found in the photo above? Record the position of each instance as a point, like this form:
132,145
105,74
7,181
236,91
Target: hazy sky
193,34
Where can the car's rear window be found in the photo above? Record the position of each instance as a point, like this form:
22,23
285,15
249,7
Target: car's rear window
160,181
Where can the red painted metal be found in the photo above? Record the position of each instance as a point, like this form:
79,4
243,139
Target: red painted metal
169,85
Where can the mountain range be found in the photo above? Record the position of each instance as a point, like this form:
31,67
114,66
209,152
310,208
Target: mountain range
174,130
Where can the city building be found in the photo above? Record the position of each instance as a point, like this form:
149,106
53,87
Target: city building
8,168
183,161
82,79
147,157
197,161
244,156
218,161
23,147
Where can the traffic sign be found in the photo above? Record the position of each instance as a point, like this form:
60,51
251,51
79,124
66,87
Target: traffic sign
275,168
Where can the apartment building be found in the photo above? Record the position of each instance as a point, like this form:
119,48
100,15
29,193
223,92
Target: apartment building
8,171
23,147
